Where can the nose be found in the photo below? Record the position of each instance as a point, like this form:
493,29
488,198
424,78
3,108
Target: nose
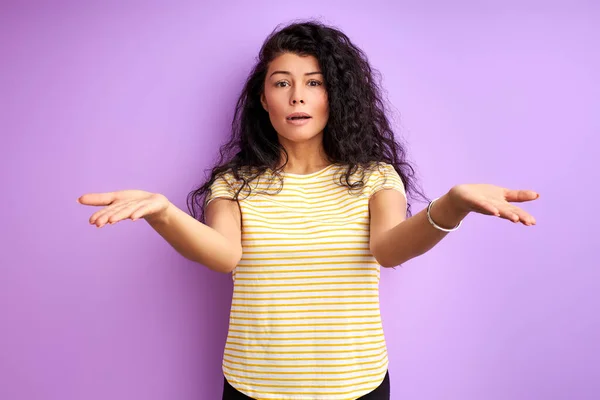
296,96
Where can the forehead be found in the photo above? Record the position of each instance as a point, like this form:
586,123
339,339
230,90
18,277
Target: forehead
295,64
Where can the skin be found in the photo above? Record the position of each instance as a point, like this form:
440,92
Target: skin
300,87
295,84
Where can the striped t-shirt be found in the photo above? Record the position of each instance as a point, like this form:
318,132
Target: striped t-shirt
305,320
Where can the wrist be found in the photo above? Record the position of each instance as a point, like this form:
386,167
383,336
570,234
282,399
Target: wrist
456,203
447,211
161,217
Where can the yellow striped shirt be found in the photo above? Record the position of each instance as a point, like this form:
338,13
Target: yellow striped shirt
305,320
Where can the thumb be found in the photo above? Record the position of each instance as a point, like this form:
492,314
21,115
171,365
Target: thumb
98,199
521,195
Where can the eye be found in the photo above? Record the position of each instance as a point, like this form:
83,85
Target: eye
278,83
317,83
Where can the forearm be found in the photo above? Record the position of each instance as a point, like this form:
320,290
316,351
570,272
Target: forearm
196,241
415,235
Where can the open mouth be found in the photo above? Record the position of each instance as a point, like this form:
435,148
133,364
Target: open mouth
298,118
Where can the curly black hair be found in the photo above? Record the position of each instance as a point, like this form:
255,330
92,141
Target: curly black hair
357,133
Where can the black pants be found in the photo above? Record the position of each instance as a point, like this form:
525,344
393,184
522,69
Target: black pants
382,392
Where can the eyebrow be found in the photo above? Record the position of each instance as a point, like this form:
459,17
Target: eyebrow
289,73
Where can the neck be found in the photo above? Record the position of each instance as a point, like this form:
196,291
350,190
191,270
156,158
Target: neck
304,157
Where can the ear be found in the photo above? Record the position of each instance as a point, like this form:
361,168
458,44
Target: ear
263,101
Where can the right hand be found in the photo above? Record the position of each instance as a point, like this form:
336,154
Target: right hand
125,204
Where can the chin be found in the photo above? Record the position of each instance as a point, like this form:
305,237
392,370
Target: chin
299,136
300,133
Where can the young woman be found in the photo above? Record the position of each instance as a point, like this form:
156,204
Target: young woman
308,200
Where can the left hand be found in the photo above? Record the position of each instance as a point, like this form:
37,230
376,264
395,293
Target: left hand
493,200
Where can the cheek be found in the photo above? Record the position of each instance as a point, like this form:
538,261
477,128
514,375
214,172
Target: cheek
273,98
324,105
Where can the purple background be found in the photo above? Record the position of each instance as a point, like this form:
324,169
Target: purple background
104,96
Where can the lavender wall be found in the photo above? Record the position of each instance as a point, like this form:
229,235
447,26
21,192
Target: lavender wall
100,97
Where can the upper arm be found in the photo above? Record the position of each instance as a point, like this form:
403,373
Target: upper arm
387,205
222,212
224,216
387,208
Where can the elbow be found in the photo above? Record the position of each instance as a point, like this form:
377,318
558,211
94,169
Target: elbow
381,260
224,268
386,264
230,267
224,265
227,270
236,256
389,260
390,264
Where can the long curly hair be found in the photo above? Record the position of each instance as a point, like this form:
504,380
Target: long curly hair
357,133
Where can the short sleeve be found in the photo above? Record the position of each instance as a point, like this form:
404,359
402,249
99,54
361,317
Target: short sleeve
222,187
385,176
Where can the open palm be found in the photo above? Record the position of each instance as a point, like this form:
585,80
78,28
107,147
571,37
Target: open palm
124,204
494,200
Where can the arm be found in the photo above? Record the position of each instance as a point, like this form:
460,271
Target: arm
216,245
395,239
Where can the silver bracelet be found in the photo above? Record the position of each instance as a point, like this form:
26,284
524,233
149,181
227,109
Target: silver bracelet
436,226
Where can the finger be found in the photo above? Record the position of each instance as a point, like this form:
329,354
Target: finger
126,212
102,212
98,199
487,208
515,214
518,214
509,214
143,210
524,217
521,195
108,212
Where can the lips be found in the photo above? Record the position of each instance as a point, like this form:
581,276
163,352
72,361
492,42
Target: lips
298,116
298,120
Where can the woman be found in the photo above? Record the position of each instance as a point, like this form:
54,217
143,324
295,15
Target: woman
307,201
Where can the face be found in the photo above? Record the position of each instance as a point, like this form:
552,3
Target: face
295,84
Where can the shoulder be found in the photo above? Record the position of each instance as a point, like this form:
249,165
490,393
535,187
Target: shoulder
382,168
228,179
382,175
224,185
